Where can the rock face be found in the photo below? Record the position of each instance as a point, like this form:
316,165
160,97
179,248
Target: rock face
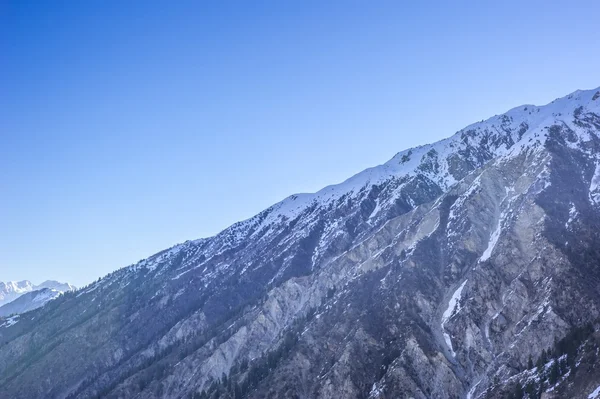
438,274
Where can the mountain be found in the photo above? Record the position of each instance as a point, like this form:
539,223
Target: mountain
12,290
55,285
29,301
467,268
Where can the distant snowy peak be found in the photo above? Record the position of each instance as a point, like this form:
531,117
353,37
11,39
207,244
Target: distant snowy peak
12,290
16,286
29,301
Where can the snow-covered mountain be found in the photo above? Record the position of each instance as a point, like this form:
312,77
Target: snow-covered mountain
29,301
55,285
12,290
467,268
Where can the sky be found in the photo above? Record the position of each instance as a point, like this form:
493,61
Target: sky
129,126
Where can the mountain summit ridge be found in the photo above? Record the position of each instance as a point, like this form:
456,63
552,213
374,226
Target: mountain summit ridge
408,162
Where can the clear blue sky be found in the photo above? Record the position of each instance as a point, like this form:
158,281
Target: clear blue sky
129,126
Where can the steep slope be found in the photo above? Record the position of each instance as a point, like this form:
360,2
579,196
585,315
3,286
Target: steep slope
437,274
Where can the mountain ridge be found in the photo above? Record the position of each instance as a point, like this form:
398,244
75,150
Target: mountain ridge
582,96
29,301
12,290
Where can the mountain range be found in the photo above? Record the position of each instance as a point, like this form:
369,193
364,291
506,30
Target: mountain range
29,301
12,290
466,268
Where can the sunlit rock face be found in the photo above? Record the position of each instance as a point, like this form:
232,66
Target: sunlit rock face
438,274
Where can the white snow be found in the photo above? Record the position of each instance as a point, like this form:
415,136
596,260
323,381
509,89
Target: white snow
572,215
595,185
595,394
41,293
375,391
21,286
11,290
185,271
454,303
92,287
452,309
495,236
493,240
449,343
472,390
46,296
10,321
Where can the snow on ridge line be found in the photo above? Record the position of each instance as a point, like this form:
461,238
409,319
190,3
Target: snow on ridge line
407,163
18,286
533,115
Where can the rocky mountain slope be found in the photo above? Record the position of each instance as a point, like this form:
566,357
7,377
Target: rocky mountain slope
12,290
468,268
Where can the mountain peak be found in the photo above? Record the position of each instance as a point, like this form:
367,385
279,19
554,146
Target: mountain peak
12,290
55,285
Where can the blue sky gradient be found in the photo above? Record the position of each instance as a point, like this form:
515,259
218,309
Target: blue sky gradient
129,126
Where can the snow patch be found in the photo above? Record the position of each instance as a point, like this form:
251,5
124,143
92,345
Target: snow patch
595,394
595,186
375,391
452,309
572,215
93,287
10,321
46,295
493,240
472,390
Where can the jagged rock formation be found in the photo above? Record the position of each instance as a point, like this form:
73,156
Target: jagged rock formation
438,274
